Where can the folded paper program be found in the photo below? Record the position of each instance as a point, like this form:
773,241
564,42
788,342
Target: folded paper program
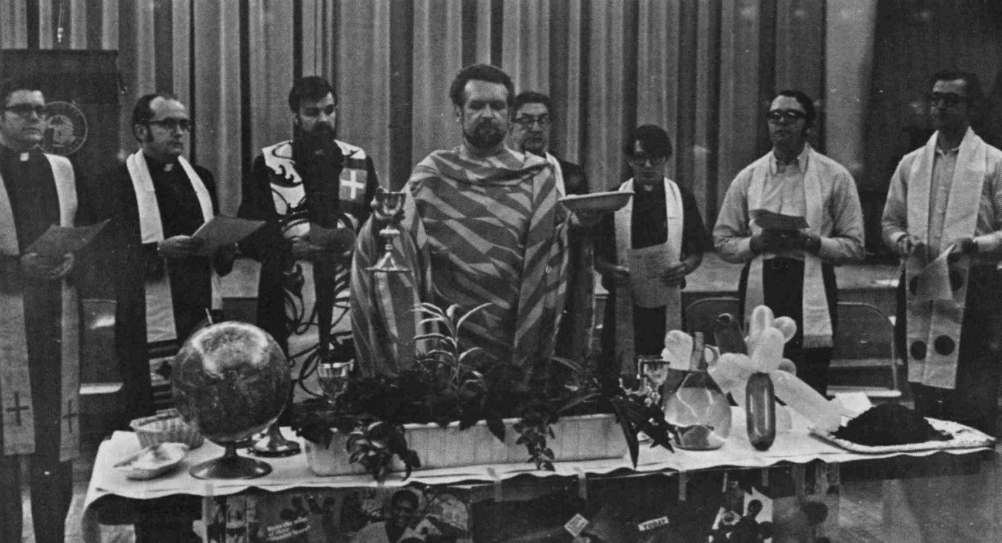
769,220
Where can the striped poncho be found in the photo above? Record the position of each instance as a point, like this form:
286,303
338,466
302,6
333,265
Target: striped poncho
476,230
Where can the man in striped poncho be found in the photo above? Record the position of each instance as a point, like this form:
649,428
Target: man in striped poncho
481,224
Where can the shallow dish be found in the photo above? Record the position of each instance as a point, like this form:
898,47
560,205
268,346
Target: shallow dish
598,201
153,461
962,437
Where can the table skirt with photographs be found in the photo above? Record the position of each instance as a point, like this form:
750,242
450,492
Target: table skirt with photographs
788,493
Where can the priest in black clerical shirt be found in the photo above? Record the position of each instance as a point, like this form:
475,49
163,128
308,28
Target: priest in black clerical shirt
165,286
39,328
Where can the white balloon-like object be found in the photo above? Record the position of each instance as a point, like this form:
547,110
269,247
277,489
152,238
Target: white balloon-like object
766,337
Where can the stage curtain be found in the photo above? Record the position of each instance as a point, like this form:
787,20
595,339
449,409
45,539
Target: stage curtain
702,69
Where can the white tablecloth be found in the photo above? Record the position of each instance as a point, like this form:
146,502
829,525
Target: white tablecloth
797,446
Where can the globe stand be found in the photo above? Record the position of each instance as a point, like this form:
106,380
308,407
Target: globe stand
274,445
230,466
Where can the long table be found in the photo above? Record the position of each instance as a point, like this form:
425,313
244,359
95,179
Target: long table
109,486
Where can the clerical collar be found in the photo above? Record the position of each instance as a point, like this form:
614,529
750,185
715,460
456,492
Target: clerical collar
14,154
158,166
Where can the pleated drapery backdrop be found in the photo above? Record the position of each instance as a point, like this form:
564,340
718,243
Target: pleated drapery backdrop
703,69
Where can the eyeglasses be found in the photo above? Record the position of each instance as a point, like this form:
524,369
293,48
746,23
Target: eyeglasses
173,124
948,99
25,110
791,115
526,121
642,160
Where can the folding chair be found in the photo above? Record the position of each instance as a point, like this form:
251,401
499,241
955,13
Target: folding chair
700,315
864,359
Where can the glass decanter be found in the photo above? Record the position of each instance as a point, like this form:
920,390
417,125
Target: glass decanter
698,407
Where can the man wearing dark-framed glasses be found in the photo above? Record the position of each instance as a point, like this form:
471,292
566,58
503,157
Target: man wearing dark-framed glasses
944,203
165,282
790,262
39,332
529,132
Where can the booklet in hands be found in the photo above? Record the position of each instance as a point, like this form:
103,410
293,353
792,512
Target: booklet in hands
768,220
222,230
59,241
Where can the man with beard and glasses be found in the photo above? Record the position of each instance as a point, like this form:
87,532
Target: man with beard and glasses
790,264
481,225
313,183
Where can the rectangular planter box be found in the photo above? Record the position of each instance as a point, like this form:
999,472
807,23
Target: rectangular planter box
587,437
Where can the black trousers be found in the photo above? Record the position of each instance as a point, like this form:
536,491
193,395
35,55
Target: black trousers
51,484
783,288
974,400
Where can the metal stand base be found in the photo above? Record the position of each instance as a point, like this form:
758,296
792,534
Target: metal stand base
274,445
230,466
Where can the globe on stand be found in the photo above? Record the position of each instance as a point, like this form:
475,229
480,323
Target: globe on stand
230,381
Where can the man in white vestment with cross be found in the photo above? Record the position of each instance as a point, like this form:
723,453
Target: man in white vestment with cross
39,321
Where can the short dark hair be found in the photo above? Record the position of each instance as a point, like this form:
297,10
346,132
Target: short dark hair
971,82
311,87
531,97
12,85
142,112
653,139
479,72
804,101
404,494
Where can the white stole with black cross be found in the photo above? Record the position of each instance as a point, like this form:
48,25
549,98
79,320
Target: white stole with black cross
161,329
934,326
623,221
15,382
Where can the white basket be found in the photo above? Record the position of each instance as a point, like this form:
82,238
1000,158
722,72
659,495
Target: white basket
166,427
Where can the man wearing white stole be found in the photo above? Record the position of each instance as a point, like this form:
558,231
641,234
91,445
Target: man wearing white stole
39,321
791,217
164,285
644,252
944,216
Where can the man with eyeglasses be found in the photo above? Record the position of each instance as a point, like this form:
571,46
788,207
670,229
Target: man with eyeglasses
39,331
790,217
943,216
662,221
299,187
166,285
481,224
529,132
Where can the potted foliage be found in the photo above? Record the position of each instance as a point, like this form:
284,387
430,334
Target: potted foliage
379,422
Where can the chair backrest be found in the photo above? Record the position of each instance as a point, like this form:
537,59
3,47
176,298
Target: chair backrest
863,331
864,347
701,314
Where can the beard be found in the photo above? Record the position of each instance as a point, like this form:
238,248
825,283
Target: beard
484,135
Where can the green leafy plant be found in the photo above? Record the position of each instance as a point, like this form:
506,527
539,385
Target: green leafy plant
449,384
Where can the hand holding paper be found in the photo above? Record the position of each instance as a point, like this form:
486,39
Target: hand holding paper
222,230
59,241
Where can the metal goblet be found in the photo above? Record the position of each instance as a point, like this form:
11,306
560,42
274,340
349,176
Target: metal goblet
389,207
